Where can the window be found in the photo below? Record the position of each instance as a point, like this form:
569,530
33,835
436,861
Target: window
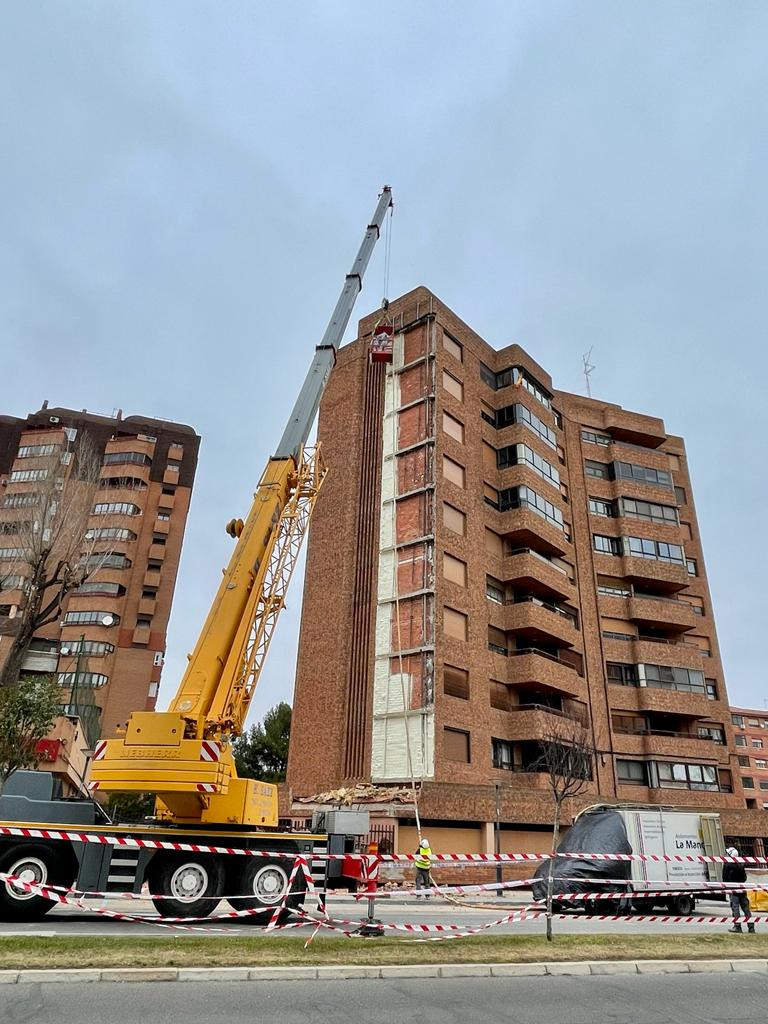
607,545
122,483
164,517
455,623
599,470
93,680
611,587
13,552
91,618
526,498
13,582
660,551
96,587
681,775
494,590
664,677
453,472
757,744
453,427
456,745
103,561
116,508
21,500
738,720
522,455
502,755
593,437
761,764
690,564
453,386
753,722
711,689
634,773
454,519
764,784
169,489
642,474
93,648
747,782
159,538
743,761
621,674
27,475
110,533
680,496
123,458
490,496
15,526
454,570
456,682
714,733
33,451
453,347
522,414
598,507
497,641
648,510
740,741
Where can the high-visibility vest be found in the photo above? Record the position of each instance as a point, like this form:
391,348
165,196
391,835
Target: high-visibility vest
424,858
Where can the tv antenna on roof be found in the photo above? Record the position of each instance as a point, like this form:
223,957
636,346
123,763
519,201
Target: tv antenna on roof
588,368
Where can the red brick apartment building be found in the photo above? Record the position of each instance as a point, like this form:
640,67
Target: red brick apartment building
148,468
490,560
751,738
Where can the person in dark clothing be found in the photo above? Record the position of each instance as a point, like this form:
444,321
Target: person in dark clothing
735,874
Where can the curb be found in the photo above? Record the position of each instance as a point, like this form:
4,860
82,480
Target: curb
341,971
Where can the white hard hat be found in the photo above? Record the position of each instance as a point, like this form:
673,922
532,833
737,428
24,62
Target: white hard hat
424,842
732,851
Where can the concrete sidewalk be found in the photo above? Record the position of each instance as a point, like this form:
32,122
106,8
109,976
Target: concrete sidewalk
351,971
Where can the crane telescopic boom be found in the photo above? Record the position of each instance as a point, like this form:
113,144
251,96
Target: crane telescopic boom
184,754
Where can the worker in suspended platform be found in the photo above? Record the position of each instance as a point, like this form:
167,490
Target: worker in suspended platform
423,860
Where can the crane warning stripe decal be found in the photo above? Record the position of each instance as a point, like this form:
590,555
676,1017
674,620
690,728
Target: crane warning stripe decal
206,787
210,751
100,750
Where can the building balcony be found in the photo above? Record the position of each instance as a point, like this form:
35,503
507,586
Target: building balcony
543,670
161,526
634,428
523,528
543,622
534,722
147,606
171,475
668,745
651,612
141,635
530,571
648,698
37,661
166,501
125,471
152,579
653,651
157,552
664,576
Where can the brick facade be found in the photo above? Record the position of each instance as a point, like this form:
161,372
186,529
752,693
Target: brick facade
506,624
150,466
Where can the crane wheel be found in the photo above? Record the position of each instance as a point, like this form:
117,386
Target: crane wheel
189,885
262,884
35,864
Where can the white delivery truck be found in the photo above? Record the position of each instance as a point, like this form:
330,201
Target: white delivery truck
636,829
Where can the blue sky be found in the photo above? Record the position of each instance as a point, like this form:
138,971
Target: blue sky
185,183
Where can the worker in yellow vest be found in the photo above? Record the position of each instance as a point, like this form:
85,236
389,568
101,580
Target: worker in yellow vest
423,860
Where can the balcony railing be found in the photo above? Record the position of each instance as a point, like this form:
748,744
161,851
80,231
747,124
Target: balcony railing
494,594
536,554
640,638
568,715
671,733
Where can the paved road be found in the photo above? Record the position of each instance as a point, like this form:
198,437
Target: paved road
649,999
70,921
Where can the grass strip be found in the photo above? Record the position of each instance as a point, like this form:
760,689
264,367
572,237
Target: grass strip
61,951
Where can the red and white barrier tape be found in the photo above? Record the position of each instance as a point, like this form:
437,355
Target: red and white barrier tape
390,858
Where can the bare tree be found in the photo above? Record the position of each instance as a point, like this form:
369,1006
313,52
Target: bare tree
567,758
47,549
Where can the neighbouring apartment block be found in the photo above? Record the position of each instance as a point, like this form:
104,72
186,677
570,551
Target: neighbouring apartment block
492,560
106,649
751,738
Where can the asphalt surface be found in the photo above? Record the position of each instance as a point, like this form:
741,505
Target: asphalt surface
71,921
626,999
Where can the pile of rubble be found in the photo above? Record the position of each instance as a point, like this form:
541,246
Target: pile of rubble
362,793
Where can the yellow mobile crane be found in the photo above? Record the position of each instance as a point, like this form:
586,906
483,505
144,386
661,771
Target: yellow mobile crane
184,754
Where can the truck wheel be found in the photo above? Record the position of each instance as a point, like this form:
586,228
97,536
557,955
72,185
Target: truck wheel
193,886
263,884
35,864
682,906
